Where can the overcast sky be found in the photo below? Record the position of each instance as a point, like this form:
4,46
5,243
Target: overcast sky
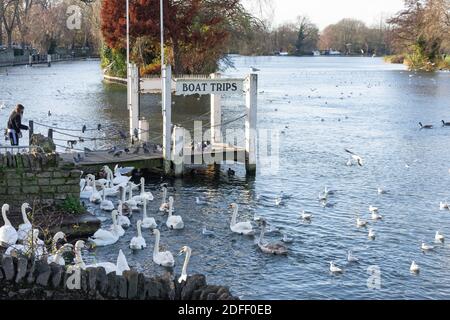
325,12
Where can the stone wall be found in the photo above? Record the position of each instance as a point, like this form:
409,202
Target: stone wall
44,178
22,279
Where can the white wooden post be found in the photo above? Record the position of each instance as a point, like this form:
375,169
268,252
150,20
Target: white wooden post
133,107
30,60
167,115
216,115
49,60
251,97
178,150
144,130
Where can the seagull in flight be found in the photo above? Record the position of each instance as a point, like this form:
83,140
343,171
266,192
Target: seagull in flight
355,157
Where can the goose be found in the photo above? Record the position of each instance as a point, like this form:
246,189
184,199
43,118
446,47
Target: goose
445,124
147,222
371,234
174,222
164,205
162,258
108,266
444,205
121,219
106,205
138,242
143,195
270,248
361,223
188,252
243,228
103,237
426,247
355,157
306,216
427,126
207,232
414,267
8,235
439,237
351,258
334,269
25,227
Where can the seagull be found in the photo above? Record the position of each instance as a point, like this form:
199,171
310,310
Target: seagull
306,216
426,247
355,157
255,69
371,234
414,267
376,216
351,257
439,237
361,223
334,269
381,191
444,205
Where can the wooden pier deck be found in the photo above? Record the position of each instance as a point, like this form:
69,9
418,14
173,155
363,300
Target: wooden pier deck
93,161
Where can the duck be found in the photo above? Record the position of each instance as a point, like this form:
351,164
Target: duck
351,258
427,126
8,235
164,205
361,223
103,237
445,124
426,247
439,237
414,267
138,242
173,222
334,269
123,221
371,234
184,274
25,227
161,258
242,228
118,268
270,248
106,205
143,195
306,216
355,157
147,222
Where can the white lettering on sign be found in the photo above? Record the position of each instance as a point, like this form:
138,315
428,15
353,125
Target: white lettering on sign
209,86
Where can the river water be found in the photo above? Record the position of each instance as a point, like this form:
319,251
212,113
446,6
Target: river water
323,105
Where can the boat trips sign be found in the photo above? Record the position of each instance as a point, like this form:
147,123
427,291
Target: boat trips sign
209,86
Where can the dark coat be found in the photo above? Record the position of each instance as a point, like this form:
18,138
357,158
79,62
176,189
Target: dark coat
15,122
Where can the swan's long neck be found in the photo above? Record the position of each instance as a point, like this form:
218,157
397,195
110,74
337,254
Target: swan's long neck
170,208
139,231
114,219
164,195
156,248
142,185
78,258
145,209
233,218
186,261
24,216
123,191
130,194
104,194
5,218
109,177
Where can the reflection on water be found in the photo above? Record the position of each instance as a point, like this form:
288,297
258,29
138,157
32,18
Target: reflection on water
323,105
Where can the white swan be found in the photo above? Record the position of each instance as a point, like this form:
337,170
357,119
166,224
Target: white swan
95,196
121,264
439,237
174,222
25,227
104,237
243,228
270,248
414,267
371,234
122,170
119,179
85,193
8,235
361,223
121,219
124,207
334,269
163,258
164,205
131,203
138,242
143,195
56,253
351,257
106,205
147,222
32,246
184,274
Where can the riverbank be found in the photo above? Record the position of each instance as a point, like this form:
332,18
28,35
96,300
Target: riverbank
443,65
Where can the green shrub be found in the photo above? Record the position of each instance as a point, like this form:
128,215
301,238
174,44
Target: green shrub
72,206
